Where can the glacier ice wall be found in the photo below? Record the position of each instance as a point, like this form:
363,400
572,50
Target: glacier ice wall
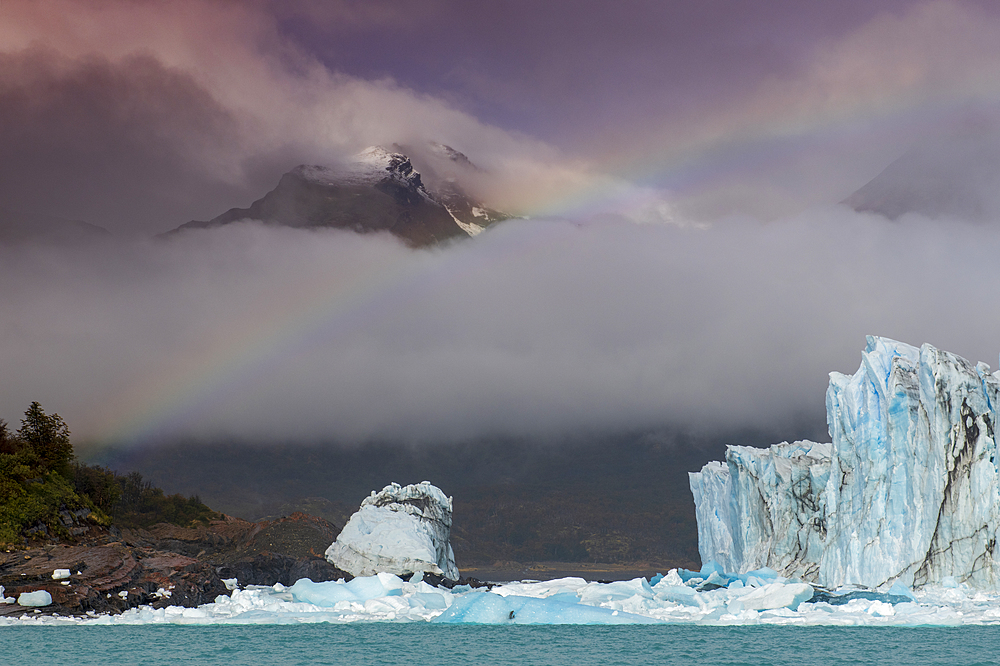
908,489
399,530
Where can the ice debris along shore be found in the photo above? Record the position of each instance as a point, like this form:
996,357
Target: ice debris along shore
707,597
907,492
399,530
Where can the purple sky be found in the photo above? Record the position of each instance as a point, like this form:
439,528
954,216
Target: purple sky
680,163
151,113
580,73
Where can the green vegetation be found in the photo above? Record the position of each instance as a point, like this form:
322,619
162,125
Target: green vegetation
45,492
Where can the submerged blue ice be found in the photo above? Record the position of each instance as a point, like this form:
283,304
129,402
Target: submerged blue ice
361,589
908,490
490,608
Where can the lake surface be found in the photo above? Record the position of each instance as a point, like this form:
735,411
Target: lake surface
464,645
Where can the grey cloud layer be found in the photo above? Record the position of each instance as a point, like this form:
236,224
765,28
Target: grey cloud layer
196,107
109,142
535,327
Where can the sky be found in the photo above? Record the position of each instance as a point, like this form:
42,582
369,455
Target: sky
683,258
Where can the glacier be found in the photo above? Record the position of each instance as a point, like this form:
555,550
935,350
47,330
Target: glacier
398,530
906,493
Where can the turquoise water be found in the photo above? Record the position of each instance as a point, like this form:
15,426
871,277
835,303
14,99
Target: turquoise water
287,645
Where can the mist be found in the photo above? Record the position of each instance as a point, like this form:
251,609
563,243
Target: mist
683,266
266,334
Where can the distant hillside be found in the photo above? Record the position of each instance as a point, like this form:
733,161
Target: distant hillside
21,226
953,176
618,498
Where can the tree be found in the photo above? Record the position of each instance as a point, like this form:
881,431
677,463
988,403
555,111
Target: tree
8,444
48,437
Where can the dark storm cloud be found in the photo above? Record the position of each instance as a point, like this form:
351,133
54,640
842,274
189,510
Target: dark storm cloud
595,76
559,69
537,327
143,115
128,144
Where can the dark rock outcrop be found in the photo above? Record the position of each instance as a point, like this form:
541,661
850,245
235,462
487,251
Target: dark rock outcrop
107,578
268,569
114,570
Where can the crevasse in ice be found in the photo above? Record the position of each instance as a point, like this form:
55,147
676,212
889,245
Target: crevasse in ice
908,490
399,530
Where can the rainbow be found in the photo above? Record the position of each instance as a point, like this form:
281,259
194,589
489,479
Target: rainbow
186,390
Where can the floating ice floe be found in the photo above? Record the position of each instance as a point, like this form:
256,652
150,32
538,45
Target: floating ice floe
704,597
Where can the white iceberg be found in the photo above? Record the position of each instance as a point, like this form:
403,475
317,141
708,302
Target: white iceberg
908,491
401,530
36,598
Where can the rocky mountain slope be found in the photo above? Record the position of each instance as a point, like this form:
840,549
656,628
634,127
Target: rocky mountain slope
379,190
952,176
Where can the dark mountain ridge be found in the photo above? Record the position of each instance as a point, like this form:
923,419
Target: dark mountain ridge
951,176
380,190
20,226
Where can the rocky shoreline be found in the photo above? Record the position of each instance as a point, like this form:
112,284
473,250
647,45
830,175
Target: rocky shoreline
112,570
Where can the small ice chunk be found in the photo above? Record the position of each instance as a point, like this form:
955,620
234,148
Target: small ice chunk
230,583
900,590
679,594
771,596
361,589
37,598
673,578
60,574
881,609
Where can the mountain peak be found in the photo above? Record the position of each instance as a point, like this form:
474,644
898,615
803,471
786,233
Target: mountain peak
377,190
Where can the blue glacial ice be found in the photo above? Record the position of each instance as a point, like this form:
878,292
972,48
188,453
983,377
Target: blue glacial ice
490,608
907,492
761,597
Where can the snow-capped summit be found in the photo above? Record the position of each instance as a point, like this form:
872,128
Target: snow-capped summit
378,189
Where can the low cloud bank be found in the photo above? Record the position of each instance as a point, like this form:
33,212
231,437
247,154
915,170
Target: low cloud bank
268,334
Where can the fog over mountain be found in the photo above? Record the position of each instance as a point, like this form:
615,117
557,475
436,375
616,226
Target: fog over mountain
678,260
265,333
